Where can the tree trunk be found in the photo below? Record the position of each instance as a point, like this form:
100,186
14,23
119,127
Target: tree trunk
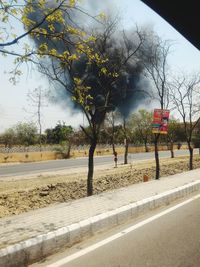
157,156
146,147
113,146
68,150
172,149
113,134
191,157
91,167
40,142
39,120
126,151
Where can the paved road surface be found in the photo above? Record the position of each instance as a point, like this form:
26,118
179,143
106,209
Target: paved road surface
172,239
55,165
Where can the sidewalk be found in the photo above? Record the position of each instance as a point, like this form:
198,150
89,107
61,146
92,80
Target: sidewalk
31,236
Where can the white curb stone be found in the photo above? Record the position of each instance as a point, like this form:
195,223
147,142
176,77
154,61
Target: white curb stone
74,233
123,214
112,218
85,228
134,210
62,237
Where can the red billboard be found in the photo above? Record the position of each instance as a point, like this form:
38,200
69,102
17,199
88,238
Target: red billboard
160,121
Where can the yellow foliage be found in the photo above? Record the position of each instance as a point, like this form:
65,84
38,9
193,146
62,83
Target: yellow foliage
43,48
51,27
104,70
73,57
72,3
53,52
91,39
102,16
80,43
27,22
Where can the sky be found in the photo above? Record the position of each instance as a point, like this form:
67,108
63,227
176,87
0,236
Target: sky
14,106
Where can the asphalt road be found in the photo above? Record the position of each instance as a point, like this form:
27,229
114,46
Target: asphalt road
173,239
55,165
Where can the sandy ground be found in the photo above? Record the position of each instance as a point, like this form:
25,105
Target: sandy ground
23,193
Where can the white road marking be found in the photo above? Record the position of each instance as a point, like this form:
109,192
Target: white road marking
118,235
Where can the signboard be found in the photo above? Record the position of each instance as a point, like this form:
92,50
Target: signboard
160,121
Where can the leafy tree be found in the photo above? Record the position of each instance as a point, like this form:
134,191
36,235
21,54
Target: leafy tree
8,138
172,135
141,122
59,134
196,136
26,133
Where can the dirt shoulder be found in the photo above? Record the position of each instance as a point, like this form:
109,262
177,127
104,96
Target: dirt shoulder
23,193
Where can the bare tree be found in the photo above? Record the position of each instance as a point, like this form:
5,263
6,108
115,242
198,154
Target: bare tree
37,98
154,58
111,119
185,95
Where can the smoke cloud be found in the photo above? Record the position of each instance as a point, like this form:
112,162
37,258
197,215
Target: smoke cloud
129,90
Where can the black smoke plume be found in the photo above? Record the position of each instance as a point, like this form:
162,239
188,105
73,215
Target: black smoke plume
124,93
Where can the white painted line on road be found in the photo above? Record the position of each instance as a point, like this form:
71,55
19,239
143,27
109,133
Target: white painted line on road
118,235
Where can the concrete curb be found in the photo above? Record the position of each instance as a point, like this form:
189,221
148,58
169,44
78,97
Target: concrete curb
37,248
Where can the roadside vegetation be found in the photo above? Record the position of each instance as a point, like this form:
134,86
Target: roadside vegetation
138,133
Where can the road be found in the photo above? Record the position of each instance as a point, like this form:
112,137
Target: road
55,165
169,237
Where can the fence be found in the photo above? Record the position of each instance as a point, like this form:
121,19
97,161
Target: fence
33,153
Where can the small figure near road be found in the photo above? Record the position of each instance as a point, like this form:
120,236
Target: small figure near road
115,158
